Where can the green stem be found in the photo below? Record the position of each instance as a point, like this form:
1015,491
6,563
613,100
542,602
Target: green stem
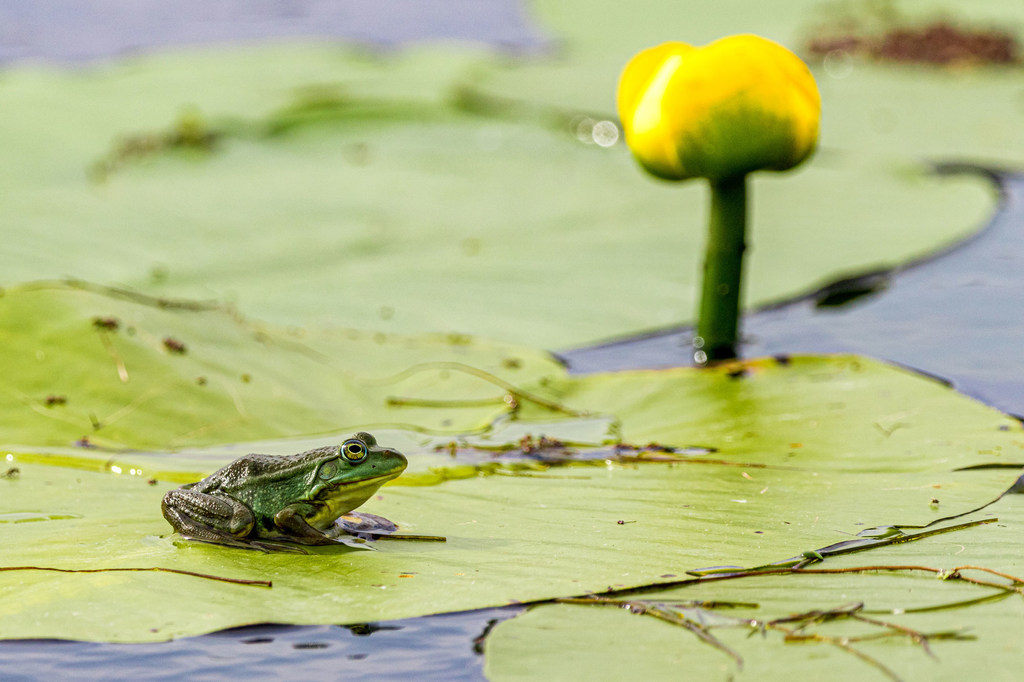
718,319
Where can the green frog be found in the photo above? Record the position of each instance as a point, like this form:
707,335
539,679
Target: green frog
292,498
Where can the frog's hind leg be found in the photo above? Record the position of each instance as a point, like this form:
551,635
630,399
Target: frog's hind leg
209,518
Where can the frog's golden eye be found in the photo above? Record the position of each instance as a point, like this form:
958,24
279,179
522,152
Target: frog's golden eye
353,450
328,469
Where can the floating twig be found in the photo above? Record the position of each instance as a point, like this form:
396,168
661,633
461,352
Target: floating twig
206,576
514,394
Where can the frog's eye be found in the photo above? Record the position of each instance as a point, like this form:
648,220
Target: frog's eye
328,469
353,450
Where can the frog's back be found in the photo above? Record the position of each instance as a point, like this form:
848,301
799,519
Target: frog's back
246,470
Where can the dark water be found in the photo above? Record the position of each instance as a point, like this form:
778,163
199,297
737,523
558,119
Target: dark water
959,316
77,30
444,647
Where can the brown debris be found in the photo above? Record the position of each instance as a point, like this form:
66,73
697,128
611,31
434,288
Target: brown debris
174,346
940,43
109,324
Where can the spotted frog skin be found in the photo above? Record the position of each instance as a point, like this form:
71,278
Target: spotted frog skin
258,500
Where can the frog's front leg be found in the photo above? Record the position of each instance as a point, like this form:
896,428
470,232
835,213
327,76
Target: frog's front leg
292,521
211,518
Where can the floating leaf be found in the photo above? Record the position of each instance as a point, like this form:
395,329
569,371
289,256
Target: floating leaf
897,620
123,387
752,497
321,203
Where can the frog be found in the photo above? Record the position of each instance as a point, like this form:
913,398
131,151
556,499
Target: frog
258,500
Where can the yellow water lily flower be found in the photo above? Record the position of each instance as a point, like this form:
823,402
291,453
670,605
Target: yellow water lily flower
736,105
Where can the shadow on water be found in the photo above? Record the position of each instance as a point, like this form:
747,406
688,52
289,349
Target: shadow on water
953,315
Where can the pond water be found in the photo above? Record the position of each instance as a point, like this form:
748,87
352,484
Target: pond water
947,317
72,30
444,647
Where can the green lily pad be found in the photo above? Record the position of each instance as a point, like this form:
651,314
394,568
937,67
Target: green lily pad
969,627
771,483
105,367
395,193
759,412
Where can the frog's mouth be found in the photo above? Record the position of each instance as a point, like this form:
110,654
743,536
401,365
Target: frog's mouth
374,482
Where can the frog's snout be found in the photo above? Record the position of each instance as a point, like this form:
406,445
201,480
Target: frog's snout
399,458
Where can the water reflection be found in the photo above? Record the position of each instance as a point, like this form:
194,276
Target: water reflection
587,130
838,64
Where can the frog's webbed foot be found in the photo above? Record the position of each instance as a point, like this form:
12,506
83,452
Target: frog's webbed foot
361,524
225,540
265,546
209,518
268,547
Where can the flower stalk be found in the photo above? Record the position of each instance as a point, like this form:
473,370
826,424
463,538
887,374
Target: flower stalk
718,316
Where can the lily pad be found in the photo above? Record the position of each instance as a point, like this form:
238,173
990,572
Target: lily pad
964,625
513,538
326,187
99,366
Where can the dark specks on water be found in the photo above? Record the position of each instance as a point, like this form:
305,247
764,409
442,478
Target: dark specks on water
257,640
311,645
367,629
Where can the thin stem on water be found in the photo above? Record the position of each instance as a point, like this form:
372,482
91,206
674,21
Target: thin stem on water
718,318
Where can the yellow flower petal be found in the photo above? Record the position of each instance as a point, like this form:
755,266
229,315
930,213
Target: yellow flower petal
739,104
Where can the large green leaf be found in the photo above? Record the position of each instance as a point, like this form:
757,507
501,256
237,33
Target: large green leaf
66,377
765,412
769,490
509,539
968,638
359,191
